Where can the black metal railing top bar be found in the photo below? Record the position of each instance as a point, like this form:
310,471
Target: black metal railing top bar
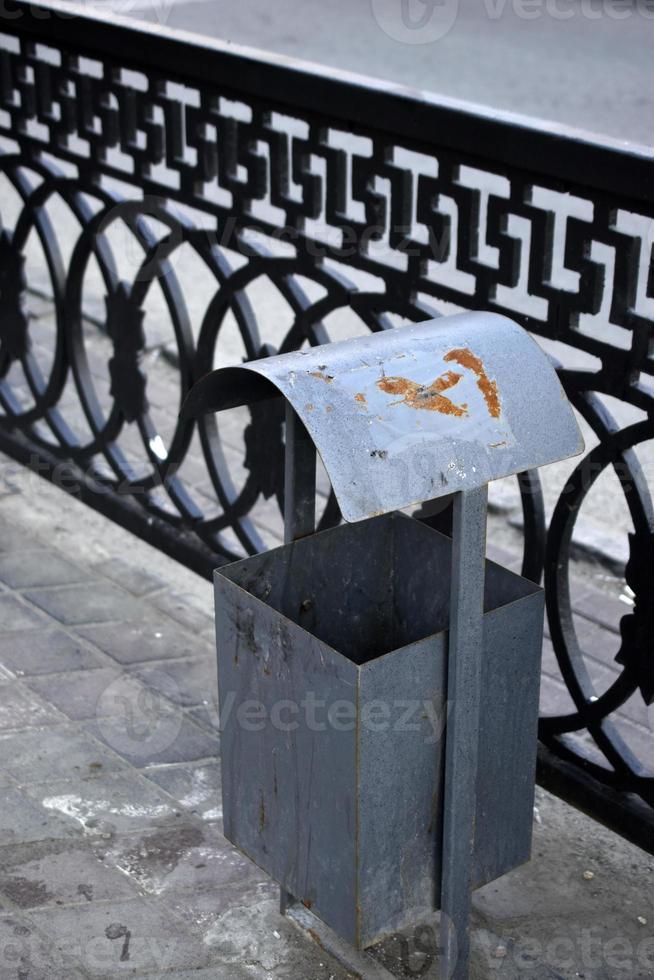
170,204
548,149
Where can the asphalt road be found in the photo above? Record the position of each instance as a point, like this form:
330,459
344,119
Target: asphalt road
587,63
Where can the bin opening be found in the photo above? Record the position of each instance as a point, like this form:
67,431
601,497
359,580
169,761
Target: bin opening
367,589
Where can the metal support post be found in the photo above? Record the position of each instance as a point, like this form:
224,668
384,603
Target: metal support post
462,733
299,510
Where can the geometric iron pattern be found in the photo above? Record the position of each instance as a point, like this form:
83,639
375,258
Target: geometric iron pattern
347,201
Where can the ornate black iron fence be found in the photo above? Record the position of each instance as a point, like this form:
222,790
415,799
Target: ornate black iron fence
358,204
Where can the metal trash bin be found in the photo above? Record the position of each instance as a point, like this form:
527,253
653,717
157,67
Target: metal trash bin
379,681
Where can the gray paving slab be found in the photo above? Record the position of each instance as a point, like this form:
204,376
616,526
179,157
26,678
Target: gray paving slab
22,569
150,637
554,697
213,972
91,693
42,755
11,537
51,873
89,603
251,933
110,782
597,641
187,682
206,716
32,653
26,955
21,820
186,609
106,803
600,608
188,857
122,937
136,580
22,708
195,788
162,734
17,615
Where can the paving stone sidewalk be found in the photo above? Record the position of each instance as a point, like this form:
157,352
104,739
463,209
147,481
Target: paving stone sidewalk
112,859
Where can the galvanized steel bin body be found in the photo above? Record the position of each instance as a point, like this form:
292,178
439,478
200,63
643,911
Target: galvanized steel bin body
370,815
332,659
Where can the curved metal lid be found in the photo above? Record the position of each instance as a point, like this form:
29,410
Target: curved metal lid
410,414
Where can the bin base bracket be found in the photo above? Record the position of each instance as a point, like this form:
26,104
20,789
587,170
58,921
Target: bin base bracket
360,964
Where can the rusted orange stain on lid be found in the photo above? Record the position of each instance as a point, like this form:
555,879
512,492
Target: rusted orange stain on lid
429,397
488,388
360,397
328,378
